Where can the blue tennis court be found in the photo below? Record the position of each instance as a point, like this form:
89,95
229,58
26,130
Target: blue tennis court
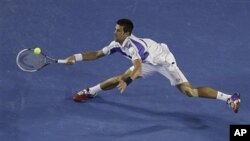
210,40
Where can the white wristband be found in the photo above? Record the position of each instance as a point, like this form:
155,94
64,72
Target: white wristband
78,57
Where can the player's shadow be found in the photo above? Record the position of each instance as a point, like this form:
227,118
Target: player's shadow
186,121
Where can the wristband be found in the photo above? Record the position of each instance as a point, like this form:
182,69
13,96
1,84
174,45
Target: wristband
78,57
128,80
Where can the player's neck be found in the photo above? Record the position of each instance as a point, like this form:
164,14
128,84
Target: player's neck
122,41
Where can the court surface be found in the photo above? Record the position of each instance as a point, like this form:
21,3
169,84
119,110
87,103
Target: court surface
210,40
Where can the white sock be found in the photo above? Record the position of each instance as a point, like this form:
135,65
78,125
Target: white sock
95,89
222,96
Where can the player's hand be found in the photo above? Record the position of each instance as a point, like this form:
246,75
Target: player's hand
70,60
122,86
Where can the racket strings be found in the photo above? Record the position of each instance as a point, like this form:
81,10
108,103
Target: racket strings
28,61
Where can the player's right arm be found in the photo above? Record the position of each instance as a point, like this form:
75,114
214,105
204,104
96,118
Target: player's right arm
85,56
92,55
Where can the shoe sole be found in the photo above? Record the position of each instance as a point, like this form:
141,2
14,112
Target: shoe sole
237,106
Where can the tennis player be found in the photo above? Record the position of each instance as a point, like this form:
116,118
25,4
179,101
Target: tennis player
147,57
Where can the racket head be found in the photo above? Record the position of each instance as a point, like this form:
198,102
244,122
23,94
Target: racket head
28,61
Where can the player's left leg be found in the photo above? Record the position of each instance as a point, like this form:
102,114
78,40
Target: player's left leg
206,92
171,71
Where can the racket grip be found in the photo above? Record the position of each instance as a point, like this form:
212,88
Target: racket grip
60,61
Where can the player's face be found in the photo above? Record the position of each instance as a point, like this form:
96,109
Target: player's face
119,33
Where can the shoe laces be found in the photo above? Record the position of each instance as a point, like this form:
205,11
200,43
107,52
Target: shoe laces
84,91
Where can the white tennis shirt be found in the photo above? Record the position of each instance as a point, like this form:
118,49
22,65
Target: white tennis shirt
145,49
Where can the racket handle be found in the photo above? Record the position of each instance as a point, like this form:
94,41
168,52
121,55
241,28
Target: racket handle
60,61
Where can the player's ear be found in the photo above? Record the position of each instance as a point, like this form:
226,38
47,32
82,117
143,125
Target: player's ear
127,33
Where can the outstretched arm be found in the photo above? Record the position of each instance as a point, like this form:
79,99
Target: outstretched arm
85,56
92,55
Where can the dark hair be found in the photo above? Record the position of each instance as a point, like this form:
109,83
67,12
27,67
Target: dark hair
127,24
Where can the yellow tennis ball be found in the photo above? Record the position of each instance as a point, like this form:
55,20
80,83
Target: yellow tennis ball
37,50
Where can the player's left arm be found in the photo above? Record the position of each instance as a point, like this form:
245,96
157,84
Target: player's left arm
134,74
137,69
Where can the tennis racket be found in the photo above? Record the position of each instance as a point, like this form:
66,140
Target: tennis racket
28,61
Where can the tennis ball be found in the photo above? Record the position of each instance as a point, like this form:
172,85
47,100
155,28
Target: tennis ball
37,50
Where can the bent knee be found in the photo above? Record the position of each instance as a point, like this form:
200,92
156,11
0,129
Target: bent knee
191,92
118,78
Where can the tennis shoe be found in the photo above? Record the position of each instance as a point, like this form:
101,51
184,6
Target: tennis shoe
83,95
234,102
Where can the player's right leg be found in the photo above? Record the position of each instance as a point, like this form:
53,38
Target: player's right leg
105,85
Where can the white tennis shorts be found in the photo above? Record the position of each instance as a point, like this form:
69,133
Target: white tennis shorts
167,68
